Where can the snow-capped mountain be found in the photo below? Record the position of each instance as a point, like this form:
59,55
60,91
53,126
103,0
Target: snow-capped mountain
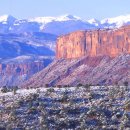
58,25
45,20
54,25
94,22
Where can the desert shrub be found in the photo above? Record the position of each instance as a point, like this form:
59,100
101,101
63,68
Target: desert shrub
46,85
4,89
15,88
79,85
126,83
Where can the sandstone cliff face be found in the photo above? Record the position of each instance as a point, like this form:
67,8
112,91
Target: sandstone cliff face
94,43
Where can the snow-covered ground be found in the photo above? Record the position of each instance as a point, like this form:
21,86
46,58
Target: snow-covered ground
95,107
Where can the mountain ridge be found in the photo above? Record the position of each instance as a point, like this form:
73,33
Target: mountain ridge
57,25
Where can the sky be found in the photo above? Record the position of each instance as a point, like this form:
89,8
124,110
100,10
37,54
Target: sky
86,9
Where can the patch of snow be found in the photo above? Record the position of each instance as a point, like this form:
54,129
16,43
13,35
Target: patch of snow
4,18
4,22
18,59
45,20
94,22
19,21
42,20
16,24
34,44
10,28
67,18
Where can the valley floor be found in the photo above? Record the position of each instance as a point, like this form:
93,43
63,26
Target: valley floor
75,108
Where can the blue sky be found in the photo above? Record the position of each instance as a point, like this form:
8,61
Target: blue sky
86,9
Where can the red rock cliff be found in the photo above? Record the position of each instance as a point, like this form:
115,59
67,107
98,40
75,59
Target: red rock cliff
94,43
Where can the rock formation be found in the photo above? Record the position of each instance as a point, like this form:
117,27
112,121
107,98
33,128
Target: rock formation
94,43
17,70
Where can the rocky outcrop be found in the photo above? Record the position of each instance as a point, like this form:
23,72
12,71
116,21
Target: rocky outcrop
21,69
17,70
94,43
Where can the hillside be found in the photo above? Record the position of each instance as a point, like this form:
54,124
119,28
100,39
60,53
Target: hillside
87,70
